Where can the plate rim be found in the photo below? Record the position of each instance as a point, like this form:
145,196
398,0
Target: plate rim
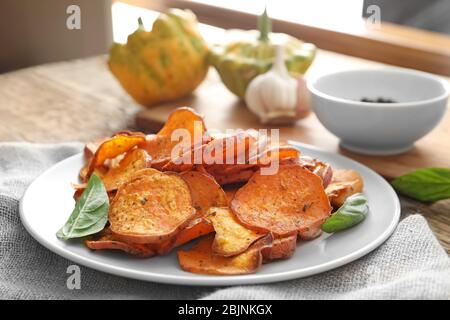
211,280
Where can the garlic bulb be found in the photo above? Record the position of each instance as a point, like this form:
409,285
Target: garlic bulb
303,99
273,95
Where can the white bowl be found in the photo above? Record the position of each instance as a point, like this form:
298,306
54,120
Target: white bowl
379,128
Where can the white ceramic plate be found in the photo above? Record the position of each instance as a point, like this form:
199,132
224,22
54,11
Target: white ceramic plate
48,203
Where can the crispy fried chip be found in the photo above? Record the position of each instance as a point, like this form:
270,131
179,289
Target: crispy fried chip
229,149
238,173
282,248
182,118
200,258
111,148
105,240
197,228
151,208
205,191
231,237
229,169
290,201
160,146
230,192
238,177
134,160
344,184
186,161
322,169
91,147
216,154
278,153
310,234
84,173
89,151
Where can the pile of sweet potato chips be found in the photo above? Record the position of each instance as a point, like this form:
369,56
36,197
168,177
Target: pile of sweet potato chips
159,202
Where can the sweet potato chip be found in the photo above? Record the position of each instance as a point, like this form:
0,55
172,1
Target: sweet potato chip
161,145
239,177
200,258
91,147
229,169
105,240
187,161
205,191
144,172
89,151
290,201
216,154
322,169
134,160
231,237
310,234
282,248
151,208
278,153
115,146
344,184
229,149
197,228
159,148
164,247
230,192
84,173
184,118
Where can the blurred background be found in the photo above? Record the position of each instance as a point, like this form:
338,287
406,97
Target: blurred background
34,32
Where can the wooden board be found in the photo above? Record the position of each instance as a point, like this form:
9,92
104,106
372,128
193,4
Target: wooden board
222,110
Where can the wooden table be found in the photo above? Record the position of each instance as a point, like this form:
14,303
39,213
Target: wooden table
80,101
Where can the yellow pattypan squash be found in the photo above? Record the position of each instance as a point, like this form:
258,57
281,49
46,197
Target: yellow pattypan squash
164,64
246,54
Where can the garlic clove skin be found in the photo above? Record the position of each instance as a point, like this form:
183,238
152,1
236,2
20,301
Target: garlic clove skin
273,96
303,99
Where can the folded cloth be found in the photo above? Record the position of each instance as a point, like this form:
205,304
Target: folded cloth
411,264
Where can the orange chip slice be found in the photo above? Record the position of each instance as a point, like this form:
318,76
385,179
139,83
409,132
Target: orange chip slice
185,118
111,148
106,241
205,191
238,177
231,237
278,153
344,184
161,146
196,229
201,259
151,208
282,248
134,160
290,201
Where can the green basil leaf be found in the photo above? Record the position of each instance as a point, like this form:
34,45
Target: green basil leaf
428,184
352,212
90,214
